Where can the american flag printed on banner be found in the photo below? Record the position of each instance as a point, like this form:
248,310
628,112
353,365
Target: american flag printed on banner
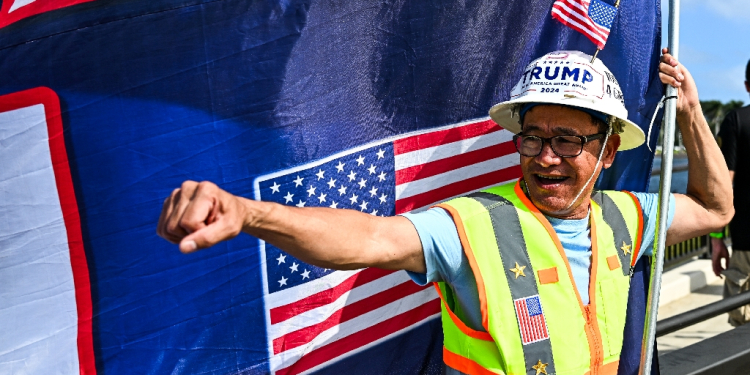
317,316
591,18
531,321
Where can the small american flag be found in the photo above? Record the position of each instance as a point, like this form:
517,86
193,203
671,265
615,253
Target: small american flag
317,316
591,18
531,319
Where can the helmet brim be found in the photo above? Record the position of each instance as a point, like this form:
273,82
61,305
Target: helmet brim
506,115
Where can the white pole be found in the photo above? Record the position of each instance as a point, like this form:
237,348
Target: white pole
665,184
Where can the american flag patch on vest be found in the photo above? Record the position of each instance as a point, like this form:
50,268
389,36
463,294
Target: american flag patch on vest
531,319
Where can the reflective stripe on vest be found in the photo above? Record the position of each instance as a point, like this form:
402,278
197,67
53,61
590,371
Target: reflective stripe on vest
494,235
512,246
623,240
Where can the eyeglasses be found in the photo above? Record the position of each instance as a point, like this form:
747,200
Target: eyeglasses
564,146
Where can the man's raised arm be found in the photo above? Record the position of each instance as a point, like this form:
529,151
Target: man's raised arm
707,204
200,215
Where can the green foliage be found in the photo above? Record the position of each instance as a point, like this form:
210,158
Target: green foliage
715,111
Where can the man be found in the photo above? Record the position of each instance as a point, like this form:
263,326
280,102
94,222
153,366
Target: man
533,274
734,139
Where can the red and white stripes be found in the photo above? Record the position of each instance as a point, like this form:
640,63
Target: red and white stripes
574,13
533,328
439,165
346,312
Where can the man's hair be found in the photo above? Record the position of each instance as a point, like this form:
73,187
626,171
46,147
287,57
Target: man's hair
601,126
747,71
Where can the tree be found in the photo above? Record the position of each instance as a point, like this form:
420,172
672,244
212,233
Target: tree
715,111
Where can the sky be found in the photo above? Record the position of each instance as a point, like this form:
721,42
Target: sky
714,45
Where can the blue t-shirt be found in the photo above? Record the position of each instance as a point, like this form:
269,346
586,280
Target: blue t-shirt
446,260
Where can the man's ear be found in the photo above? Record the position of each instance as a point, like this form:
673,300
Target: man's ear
613,143
747,86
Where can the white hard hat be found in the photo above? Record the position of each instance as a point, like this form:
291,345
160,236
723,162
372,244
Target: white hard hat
569,78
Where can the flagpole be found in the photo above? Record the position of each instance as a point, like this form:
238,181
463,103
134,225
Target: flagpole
665,184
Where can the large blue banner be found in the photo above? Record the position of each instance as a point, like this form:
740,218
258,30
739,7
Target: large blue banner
379,106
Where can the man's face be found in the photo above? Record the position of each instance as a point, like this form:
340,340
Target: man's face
553,181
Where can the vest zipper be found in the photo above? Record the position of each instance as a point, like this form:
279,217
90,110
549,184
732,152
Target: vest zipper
598,353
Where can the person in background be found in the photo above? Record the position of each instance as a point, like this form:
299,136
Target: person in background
734,140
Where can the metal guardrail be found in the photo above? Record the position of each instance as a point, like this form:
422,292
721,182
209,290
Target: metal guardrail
679,168
683,251
686,319
727,353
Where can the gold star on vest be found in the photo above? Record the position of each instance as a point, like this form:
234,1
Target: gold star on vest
625,248
541,368
518,270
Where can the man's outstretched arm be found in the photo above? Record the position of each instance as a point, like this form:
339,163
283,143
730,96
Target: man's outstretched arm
707,205
200,215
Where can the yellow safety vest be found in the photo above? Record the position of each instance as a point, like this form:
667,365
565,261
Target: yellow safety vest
533,315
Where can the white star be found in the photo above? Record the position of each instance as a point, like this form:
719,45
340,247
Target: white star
381,153
305,275
340,167
373,191
281,259
363,206
275,188
283,280
362,183
352,176
311,191
332,183
382,198
298,181
293,267
342,190
360,160
371,169
334,205
374,213
353,199
322,197
288,197
381,176
320,174
301,203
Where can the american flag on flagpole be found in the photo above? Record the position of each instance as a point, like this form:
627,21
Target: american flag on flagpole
531,321
592,18
317,316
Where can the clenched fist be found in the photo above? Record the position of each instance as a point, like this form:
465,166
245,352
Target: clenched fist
200,215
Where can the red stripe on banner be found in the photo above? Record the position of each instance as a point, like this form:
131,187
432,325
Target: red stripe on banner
457,188
437,167
32,8
305,335
72,219
362,338
441,137
282,313
71,216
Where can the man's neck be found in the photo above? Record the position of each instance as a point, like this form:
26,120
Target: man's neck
581,211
